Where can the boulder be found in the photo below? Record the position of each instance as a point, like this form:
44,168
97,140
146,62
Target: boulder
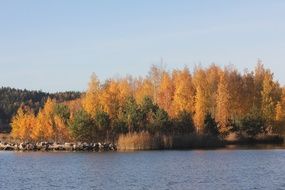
9,147
68,146
22,146
30,147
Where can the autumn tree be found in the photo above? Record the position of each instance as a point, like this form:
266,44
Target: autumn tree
155,76
259,74
280,108
212,100
90,101
184,94
144,89
61,121
73,106
247,93
44,127
200,99
23,124
109,98
61,131
212,80
234,88
223,103
125,90
267,103
165,93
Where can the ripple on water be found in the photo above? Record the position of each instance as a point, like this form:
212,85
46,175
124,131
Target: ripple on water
214,169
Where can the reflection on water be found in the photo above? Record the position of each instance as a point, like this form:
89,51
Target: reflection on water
199,169
257,146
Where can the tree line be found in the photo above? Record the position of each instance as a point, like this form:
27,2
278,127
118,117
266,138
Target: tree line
208,101
11,99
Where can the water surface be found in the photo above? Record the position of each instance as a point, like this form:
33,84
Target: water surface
198,169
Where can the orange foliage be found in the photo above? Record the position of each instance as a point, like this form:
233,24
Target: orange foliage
90,101
223,93
144,89
23,124
223,103
44,127
201,98
165,93
183,99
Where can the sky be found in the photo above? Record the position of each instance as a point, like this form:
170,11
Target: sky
56,45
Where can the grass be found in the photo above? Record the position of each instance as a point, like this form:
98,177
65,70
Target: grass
146,141
139,141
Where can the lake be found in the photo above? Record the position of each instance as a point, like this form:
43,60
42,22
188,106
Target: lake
198,169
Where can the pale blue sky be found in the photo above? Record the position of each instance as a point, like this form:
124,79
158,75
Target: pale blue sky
56,45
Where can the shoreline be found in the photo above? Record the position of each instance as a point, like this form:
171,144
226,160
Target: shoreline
110,147
49,147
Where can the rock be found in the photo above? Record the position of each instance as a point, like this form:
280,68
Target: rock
68,146
96,147
87,147
30,147
45,146
56,147
106,146
9,148
112,147
75,147
2,146
22,146
100,146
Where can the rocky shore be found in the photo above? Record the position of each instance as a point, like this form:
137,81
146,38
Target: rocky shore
46,146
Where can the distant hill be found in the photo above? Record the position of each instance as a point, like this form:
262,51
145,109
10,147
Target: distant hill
11,99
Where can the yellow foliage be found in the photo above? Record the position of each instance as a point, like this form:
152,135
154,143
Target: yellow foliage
183,99
23,124
61,133
223,102
124,91
200,99
73,106
223,93
44,125
90,101
165,93
109,98
267,103
212,81
144,89
279,112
